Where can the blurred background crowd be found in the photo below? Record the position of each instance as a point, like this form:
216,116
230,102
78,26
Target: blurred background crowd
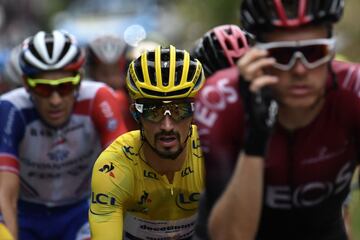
177,22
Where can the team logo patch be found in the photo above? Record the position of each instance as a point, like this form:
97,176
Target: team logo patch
188,201
108,169
128,150
143,203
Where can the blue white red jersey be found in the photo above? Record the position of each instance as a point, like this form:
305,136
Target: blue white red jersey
55,165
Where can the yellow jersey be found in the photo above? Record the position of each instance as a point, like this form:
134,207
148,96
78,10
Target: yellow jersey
131,200
5,233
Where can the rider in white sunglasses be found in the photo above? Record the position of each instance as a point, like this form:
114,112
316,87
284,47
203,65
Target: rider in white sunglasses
312,53
292,176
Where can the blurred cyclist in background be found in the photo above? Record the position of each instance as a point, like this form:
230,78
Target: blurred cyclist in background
147,184
135,51
108,57
52,130
221,47
106,60
218,50
12,75
313,145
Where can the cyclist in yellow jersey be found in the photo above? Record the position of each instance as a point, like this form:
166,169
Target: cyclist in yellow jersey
147,183
5,233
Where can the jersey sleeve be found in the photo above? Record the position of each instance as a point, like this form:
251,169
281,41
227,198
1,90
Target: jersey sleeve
348,75
12,128
106,114
112,185
356,123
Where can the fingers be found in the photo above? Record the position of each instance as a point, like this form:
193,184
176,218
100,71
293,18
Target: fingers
250,56
252,65
255,69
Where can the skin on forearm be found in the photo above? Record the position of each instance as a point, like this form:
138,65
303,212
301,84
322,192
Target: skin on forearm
9,191
236,214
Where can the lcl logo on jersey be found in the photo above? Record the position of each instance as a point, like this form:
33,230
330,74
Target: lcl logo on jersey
102,198
188,201
108,169
186,171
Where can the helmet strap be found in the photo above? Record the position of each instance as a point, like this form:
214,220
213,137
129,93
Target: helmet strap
329,28
135,114
142,134
333,76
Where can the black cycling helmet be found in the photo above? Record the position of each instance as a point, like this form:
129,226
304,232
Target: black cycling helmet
221,47
265,15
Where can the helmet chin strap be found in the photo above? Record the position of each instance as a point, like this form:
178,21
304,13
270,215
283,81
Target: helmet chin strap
182,147
333,76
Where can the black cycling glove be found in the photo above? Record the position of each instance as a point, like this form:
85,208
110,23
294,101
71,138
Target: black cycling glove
260,113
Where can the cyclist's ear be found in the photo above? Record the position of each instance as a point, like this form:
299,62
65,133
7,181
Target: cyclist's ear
26,85
134,113
82,73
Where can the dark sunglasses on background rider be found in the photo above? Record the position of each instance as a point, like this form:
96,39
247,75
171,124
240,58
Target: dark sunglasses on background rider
45,87
155,112
312,53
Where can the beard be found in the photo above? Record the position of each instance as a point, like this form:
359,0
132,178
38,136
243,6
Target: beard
168,153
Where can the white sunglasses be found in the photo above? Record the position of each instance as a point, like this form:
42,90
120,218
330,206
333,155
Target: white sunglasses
156,112
312,53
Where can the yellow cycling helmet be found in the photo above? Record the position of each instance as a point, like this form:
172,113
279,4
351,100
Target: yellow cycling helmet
165,73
